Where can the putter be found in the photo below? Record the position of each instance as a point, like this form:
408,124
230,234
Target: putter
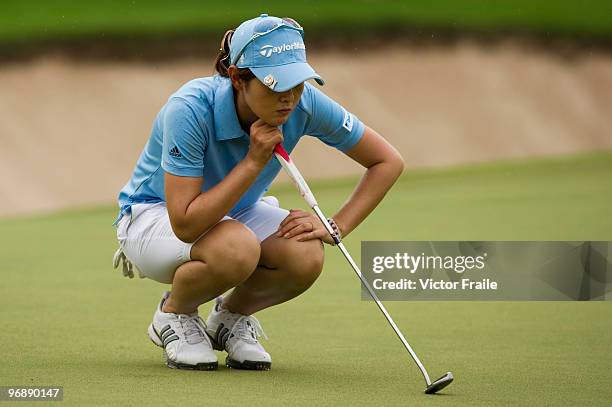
283,158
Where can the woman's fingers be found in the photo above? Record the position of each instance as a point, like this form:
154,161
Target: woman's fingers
315,234
304,237
292,220
297,225
299,229
293,214
303,226
292,223
263,138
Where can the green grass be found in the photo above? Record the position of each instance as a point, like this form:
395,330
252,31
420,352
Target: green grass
33,20
69,319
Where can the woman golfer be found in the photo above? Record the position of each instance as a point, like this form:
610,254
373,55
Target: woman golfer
193,213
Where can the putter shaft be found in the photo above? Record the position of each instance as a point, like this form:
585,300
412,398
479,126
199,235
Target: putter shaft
382,308
283,158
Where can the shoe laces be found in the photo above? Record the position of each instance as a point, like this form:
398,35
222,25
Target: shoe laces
193,328
248,329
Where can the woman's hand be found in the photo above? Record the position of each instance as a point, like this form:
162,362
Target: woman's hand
263,140
304,225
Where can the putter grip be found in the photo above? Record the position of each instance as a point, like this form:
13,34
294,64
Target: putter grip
283,158
280,150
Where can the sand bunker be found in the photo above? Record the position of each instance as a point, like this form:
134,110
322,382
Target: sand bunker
72,131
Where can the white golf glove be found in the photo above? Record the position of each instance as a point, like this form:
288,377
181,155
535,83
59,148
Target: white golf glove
126,265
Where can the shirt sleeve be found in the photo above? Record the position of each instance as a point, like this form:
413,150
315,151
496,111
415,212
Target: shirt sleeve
330,122
184,140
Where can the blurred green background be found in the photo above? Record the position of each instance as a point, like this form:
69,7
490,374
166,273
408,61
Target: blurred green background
38,20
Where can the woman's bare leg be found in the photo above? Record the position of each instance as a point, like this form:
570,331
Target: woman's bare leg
223,258
286,269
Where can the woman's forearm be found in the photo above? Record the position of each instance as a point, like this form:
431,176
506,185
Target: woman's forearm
199,211
210,206
375,183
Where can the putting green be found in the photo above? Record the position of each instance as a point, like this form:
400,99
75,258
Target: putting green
68,319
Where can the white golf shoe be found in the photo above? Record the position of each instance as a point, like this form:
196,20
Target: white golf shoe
237,334
183,338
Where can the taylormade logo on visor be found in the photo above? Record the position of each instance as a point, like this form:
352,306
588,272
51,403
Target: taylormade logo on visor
268,50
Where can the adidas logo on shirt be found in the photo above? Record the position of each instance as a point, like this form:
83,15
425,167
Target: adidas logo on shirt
175,152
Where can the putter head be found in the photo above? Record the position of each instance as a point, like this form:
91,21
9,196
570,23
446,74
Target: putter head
440,383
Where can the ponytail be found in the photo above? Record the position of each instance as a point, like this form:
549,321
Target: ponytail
222,61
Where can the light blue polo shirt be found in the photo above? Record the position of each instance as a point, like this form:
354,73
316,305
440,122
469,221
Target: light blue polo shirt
197,134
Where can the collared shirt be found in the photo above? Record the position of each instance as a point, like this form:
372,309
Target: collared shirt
197,134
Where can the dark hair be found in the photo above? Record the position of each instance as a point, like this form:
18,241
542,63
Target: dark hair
222,62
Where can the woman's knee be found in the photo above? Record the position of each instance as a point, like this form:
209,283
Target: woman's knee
229,249
302,261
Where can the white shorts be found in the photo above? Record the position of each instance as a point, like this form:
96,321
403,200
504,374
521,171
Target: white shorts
147,239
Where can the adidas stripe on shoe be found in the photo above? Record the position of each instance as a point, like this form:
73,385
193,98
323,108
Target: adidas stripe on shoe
183,338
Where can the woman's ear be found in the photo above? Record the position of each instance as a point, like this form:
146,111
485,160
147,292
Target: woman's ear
232,71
